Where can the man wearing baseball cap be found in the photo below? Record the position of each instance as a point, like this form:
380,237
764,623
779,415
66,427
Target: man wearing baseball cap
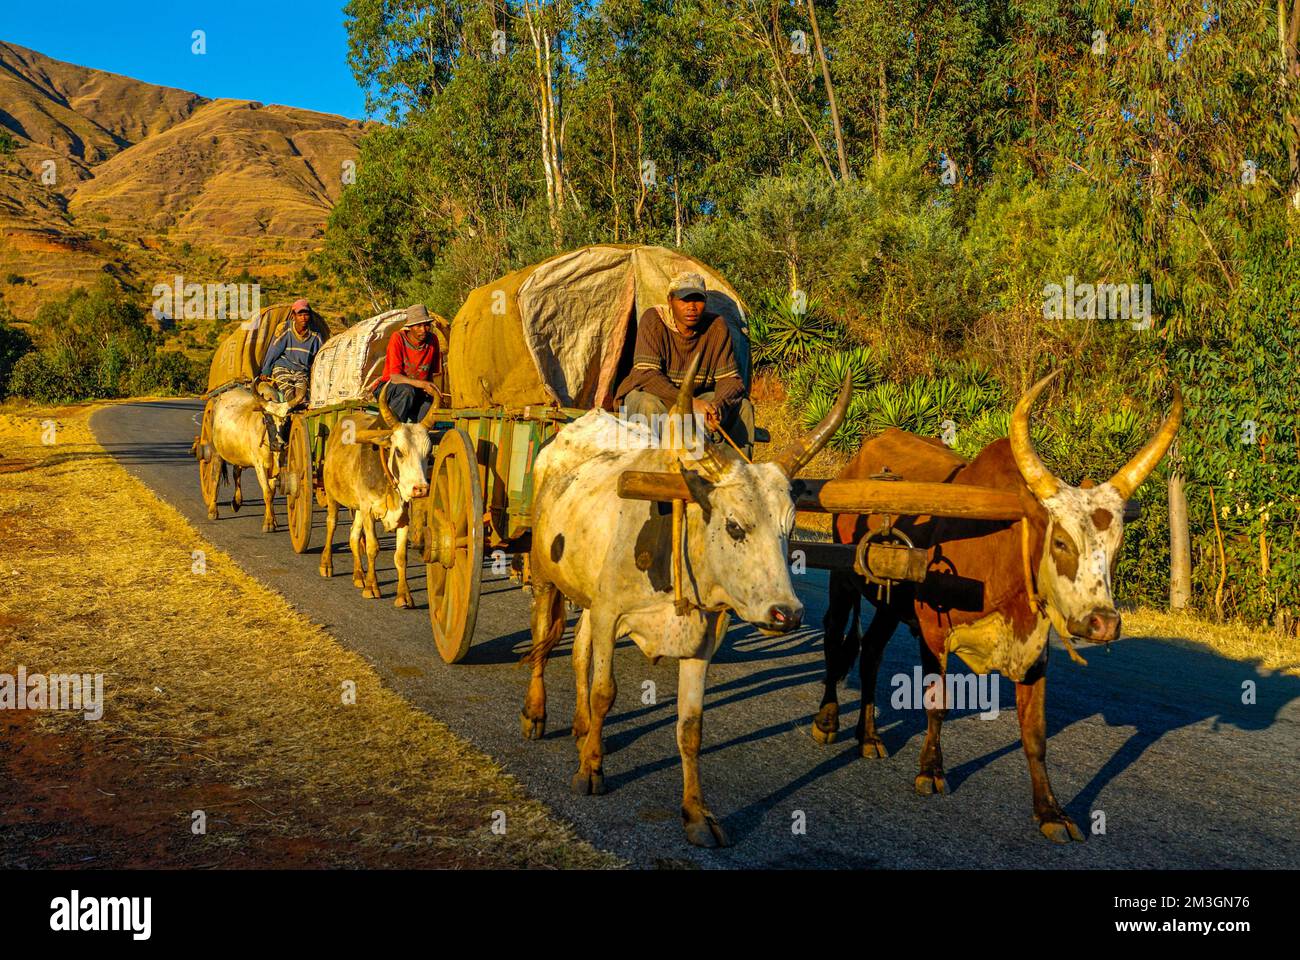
288,362
667,338
410,365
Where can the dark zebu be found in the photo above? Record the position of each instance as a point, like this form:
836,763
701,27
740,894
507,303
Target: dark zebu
991,593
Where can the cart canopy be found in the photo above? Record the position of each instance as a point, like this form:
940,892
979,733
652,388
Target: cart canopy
563,330
239,356
351,361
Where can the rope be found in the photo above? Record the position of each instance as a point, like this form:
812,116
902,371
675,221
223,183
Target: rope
1037,601
727,437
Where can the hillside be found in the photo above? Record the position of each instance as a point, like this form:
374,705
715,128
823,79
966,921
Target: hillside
149,181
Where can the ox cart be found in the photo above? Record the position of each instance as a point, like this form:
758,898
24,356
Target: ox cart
237,363
525,355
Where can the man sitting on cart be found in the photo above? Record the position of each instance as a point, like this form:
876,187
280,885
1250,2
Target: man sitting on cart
410,366
667,338
288,363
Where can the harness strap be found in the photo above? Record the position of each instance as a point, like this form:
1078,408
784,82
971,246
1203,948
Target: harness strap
1037,602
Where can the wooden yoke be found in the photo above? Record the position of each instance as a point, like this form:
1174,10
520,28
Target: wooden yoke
899,497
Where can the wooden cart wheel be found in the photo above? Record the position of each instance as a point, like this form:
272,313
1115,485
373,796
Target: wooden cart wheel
454,544
297,481
209,468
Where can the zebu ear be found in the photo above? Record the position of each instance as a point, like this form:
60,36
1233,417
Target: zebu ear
700,489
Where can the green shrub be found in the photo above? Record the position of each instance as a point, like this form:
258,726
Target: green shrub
14,344
48,376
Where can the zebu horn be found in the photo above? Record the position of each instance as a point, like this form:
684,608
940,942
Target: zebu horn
431,416
701,458
1131,475
384,410
1037,477
793,458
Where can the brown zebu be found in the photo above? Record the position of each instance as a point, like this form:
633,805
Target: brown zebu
993,588
375,467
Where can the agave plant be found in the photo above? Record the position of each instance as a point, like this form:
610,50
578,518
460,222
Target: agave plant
788,335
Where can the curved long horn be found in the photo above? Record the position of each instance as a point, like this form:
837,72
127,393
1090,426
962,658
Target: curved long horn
1037,477
1131,475
430,417
702,458
793,458
384,410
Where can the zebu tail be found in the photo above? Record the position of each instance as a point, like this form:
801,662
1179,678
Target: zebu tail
547,632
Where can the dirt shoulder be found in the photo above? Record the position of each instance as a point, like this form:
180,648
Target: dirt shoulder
222,706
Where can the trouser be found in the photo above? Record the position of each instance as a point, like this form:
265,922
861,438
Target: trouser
409,404
287,383
739,422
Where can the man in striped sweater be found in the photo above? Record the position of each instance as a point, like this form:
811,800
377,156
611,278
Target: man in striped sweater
667,338
288,362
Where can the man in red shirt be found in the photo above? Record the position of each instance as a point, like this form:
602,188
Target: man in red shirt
410,364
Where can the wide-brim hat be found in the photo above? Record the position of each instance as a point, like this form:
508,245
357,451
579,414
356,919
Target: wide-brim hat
416,314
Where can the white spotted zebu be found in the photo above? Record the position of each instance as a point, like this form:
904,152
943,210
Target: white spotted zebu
613,558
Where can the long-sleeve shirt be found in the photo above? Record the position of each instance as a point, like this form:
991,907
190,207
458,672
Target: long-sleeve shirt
662,355
292,353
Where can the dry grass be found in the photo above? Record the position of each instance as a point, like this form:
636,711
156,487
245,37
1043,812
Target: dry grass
218,696
1235,641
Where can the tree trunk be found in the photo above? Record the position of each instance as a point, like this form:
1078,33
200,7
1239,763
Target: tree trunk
830,92
1180,545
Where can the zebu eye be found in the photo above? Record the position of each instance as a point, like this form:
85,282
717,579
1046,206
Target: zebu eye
735,530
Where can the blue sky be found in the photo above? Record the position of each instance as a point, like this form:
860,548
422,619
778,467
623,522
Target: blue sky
292,53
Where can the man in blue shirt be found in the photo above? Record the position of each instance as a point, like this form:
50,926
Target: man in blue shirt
288,362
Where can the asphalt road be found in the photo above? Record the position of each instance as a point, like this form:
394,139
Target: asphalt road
1153,735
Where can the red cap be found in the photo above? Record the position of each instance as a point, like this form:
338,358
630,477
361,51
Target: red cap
299,305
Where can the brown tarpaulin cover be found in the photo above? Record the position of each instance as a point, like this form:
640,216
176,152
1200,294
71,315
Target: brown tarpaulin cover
556,331
239,356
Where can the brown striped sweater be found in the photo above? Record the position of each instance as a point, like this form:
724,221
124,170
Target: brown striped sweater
662,355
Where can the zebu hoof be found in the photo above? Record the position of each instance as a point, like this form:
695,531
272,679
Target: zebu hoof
532,729
371,593
406,602
706,833
326,570
826,724
212,513
930,783
236,502
268,527
873,748
1060,829
588,783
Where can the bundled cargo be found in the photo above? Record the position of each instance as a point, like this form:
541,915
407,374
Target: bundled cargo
350,364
